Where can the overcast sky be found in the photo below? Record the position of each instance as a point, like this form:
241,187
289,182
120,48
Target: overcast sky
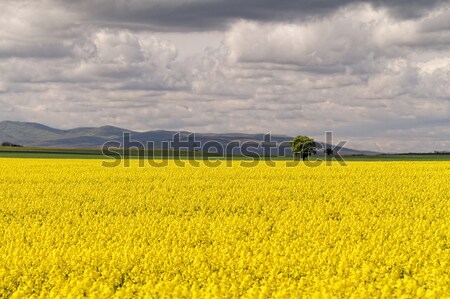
376,73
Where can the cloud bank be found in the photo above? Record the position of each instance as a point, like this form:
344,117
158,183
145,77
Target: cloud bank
376,73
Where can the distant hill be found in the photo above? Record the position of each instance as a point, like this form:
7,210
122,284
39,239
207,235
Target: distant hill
38,135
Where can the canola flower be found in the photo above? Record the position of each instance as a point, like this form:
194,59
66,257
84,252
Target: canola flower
73,229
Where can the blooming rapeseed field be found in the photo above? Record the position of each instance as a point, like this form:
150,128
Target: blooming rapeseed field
71,228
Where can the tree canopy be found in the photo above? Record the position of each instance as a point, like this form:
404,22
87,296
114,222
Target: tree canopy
303,146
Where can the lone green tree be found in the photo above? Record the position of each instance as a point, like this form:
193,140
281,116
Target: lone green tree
303,146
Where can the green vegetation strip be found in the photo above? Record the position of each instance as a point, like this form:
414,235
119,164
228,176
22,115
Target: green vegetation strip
61,153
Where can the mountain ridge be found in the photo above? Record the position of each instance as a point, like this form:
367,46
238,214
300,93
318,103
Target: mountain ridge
39,135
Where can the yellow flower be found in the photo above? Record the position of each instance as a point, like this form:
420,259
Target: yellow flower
71,228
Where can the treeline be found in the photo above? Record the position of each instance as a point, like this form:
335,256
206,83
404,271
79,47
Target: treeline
11,144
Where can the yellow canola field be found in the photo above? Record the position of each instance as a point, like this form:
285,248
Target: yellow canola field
72,229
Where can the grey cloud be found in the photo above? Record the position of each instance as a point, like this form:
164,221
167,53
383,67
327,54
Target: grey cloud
203,15
348,40
51,50
437,23
282,67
